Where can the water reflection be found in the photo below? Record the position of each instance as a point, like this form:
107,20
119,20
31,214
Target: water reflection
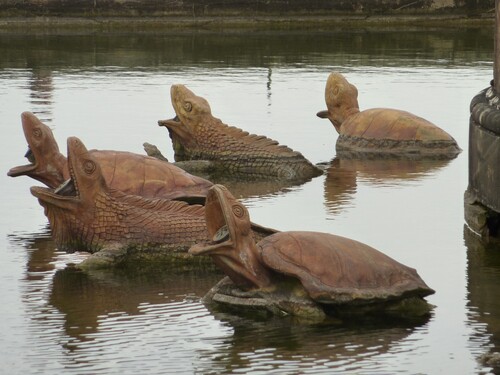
483,275
41,91
419,47
242,189
347,171
85,297
102,319
289,346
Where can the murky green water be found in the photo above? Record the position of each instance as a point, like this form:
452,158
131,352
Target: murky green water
110,90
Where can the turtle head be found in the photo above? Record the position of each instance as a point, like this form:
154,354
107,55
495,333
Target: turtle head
190,110
47,164
231,242
341,99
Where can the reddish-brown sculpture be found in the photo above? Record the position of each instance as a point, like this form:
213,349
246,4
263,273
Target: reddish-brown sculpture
131,173
302,273
86,215
196,134
380,130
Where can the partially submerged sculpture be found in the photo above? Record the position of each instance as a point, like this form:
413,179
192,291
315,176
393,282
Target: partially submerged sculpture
302,273
196,134
380,130
125,171
86,215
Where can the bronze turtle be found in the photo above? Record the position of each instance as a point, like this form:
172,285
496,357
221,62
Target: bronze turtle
381,130
302,273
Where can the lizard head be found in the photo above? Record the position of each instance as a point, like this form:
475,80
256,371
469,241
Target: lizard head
190,111
79,191
46,163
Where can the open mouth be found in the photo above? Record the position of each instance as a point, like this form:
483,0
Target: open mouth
24,169
217,225
30,156
67,189
221,235
173,121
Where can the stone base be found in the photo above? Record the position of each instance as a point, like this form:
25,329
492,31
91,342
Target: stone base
480,218
410,148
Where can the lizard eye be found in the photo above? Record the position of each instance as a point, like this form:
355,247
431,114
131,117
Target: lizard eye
37,132
188,106
89,166
238,211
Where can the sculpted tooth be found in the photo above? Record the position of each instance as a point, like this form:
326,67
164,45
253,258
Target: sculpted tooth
221,235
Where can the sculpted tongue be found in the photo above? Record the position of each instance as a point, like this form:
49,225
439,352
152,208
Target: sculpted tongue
174,120
221,235
67,188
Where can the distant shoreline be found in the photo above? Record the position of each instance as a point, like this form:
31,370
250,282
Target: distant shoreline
264,22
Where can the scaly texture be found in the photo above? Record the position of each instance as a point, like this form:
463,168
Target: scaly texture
86,215
196,134
136,223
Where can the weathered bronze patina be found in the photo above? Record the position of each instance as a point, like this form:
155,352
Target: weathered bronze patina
380,130
86,215
196,134
302,273
131,173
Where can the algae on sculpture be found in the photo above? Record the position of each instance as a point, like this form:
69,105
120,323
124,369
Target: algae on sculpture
196,134
303,273
125,171
380,130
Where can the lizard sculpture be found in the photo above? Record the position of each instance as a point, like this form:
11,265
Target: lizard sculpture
196,134
87,215
131,173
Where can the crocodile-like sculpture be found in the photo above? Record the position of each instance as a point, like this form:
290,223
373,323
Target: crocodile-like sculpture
196,134
381,130
131,173
86,215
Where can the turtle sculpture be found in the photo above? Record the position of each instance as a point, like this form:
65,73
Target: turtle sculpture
381,130
87,215
303,273
197,135
126,171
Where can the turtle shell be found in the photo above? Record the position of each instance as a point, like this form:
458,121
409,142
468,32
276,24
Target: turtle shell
147,176
392,124
338,270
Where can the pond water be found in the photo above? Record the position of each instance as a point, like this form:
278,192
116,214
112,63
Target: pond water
110,89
